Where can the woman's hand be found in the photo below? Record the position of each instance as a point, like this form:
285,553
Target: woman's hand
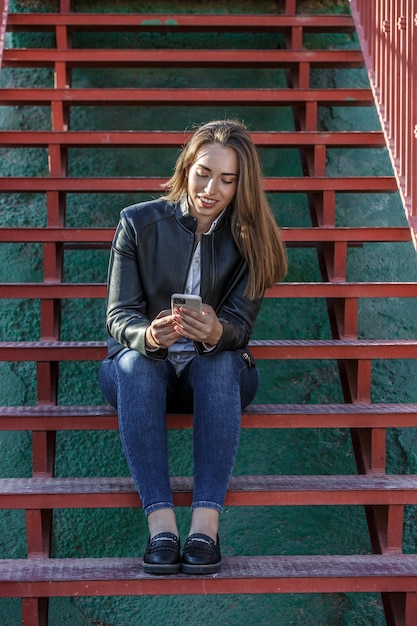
161,332
204,327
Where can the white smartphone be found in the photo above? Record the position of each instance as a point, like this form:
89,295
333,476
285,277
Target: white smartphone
186,299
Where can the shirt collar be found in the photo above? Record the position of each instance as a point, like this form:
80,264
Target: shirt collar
185,210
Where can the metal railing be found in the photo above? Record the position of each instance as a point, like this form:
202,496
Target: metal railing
4,7
387,30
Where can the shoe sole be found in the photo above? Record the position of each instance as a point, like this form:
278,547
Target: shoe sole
157,568
213,568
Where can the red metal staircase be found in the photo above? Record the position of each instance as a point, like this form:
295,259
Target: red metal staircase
383,495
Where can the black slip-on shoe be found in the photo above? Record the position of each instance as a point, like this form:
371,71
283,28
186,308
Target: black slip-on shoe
162,554
201,555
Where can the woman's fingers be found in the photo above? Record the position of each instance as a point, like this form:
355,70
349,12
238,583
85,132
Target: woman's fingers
203,327
162,329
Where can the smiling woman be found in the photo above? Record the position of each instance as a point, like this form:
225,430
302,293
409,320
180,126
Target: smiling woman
212,235
212,183
253,226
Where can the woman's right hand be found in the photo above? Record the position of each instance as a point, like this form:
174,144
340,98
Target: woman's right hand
160,333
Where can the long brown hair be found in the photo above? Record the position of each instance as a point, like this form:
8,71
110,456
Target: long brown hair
254,228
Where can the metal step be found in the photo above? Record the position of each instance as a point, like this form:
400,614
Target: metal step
52,417
304,490
241,575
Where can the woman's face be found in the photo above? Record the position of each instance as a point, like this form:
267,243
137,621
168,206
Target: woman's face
212,182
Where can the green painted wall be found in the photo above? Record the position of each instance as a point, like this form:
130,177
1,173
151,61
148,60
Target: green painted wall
286,530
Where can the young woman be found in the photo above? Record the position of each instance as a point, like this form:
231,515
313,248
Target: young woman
212,235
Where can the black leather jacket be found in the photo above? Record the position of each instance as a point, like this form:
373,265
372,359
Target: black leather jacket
150,257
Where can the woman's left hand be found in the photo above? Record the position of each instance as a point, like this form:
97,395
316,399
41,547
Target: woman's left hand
204,327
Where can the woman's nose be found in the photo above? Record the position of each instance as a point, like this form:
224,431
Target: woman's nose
211,186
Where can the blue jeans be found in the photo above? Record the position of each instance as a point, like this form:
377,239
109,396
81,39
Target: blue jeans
215,388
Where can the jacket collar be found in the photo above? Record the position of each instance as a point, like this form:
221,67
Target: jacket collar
184,216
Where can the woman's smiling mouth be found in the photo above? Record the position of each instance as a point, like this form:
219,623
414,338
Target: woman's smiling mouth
207,202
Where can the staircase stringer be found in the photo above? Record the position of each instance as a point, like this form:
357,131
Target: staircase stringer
385,523
39,521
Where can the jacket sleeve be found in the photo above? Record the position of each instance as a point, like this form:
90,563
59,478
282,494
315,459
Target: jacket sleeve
237,315
126,318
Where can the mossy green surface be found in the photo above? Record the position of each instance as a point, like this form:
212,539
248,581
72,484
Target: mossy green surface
244,530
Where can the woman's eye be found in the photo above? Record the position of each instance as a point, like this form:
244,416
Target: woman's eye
201,174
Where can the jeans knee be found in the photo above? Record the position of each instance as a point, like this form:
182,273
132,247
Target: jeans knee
216,374
124,369
133,366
